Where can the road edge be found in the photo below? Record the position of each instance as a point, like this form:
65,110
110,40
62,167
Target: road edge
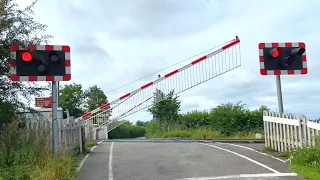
86,157
189,140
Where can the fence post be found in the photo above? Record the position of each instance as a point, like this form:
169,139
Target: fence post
106,131
266,130
80,134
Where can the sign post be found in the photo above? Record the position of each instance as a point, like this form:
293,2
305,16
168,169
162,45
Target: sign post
54,117
279,94
42,63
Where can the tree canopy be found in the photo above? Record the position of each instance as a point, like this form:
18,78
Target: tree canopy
95,97
72,98
78,101
166,108
16,26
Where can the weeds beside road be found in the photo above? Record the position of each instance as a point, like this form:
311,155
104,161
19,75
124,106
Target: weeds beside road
304,161
29,156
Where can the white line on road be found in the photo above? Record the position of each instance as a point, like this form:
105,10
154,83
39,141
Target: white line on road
110,162
245,157
243,176
236,145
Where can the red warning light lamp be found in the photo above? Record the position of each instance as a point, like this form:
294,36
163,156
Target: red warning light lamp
26,56
275,52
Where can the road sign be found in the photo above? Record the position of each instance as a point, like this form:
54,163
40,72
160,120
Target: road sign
50,116
40,63
45,102
287,58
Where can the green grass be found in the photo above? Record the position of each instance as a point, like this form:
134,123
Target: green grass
305,172
200,134
91,144
29,157
304,161
267,150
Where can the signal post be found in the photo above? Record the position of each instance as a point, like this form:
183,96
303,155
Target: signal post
278,59
42,63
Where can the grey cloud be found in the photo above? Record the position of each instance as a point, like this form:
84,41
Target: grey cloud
164,20
189,106
143,18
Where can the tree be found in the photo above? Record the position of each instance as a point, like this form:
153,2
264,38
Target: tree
95,97
141,123
167,108
16,26
72,98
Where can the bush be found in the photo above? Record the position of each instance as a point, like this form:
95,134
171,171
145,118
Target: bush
224,121
29,156
127,130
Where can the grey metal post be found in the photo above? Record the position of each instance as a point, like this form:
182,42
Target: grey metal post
58,94
279,94
54,117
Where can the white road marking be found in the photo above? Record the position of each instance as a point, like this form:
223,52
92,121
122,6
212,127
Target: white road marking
243,176
245,157
82,162
110,162
236,145
86,157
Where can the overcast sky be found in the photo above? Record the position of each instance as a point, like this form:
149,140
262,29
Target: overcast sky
116,42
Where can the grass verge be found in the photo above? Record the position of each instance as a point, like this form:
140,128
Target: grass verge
91,144
200,134
305,172
304,161
281,155
27,155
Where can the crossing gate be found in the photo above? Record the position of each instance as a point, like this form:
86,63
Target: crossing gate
223,59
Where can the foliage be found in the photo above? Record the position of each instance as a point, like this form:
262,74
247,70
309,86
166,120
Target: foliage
79,101
167,108
306,161
72,98
29,156
127,130
141,123
223,121
16,26
95,97
155,129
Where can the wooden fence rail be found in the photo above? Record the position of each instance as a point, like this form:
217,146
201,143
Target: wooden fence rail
70,132
285,132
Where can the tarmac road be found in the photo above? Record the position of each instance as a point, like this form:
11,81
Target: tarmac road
176,160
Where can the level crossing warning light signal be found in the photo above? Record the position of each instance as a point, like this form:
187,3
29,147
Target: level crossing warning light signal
282,58
40,63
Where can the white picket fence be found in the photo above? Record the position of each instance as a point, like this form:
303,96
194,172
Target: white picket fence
69,131
285,132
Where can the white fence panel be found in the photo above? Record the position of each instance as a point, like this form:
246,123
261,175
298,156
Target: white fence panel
69,131
285,132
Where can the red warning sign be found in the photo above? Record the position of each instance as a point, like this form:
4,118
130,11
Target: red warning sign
45,102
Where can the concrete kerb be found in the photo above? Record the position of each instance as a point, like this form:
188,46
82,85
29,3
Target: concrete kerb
86,157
